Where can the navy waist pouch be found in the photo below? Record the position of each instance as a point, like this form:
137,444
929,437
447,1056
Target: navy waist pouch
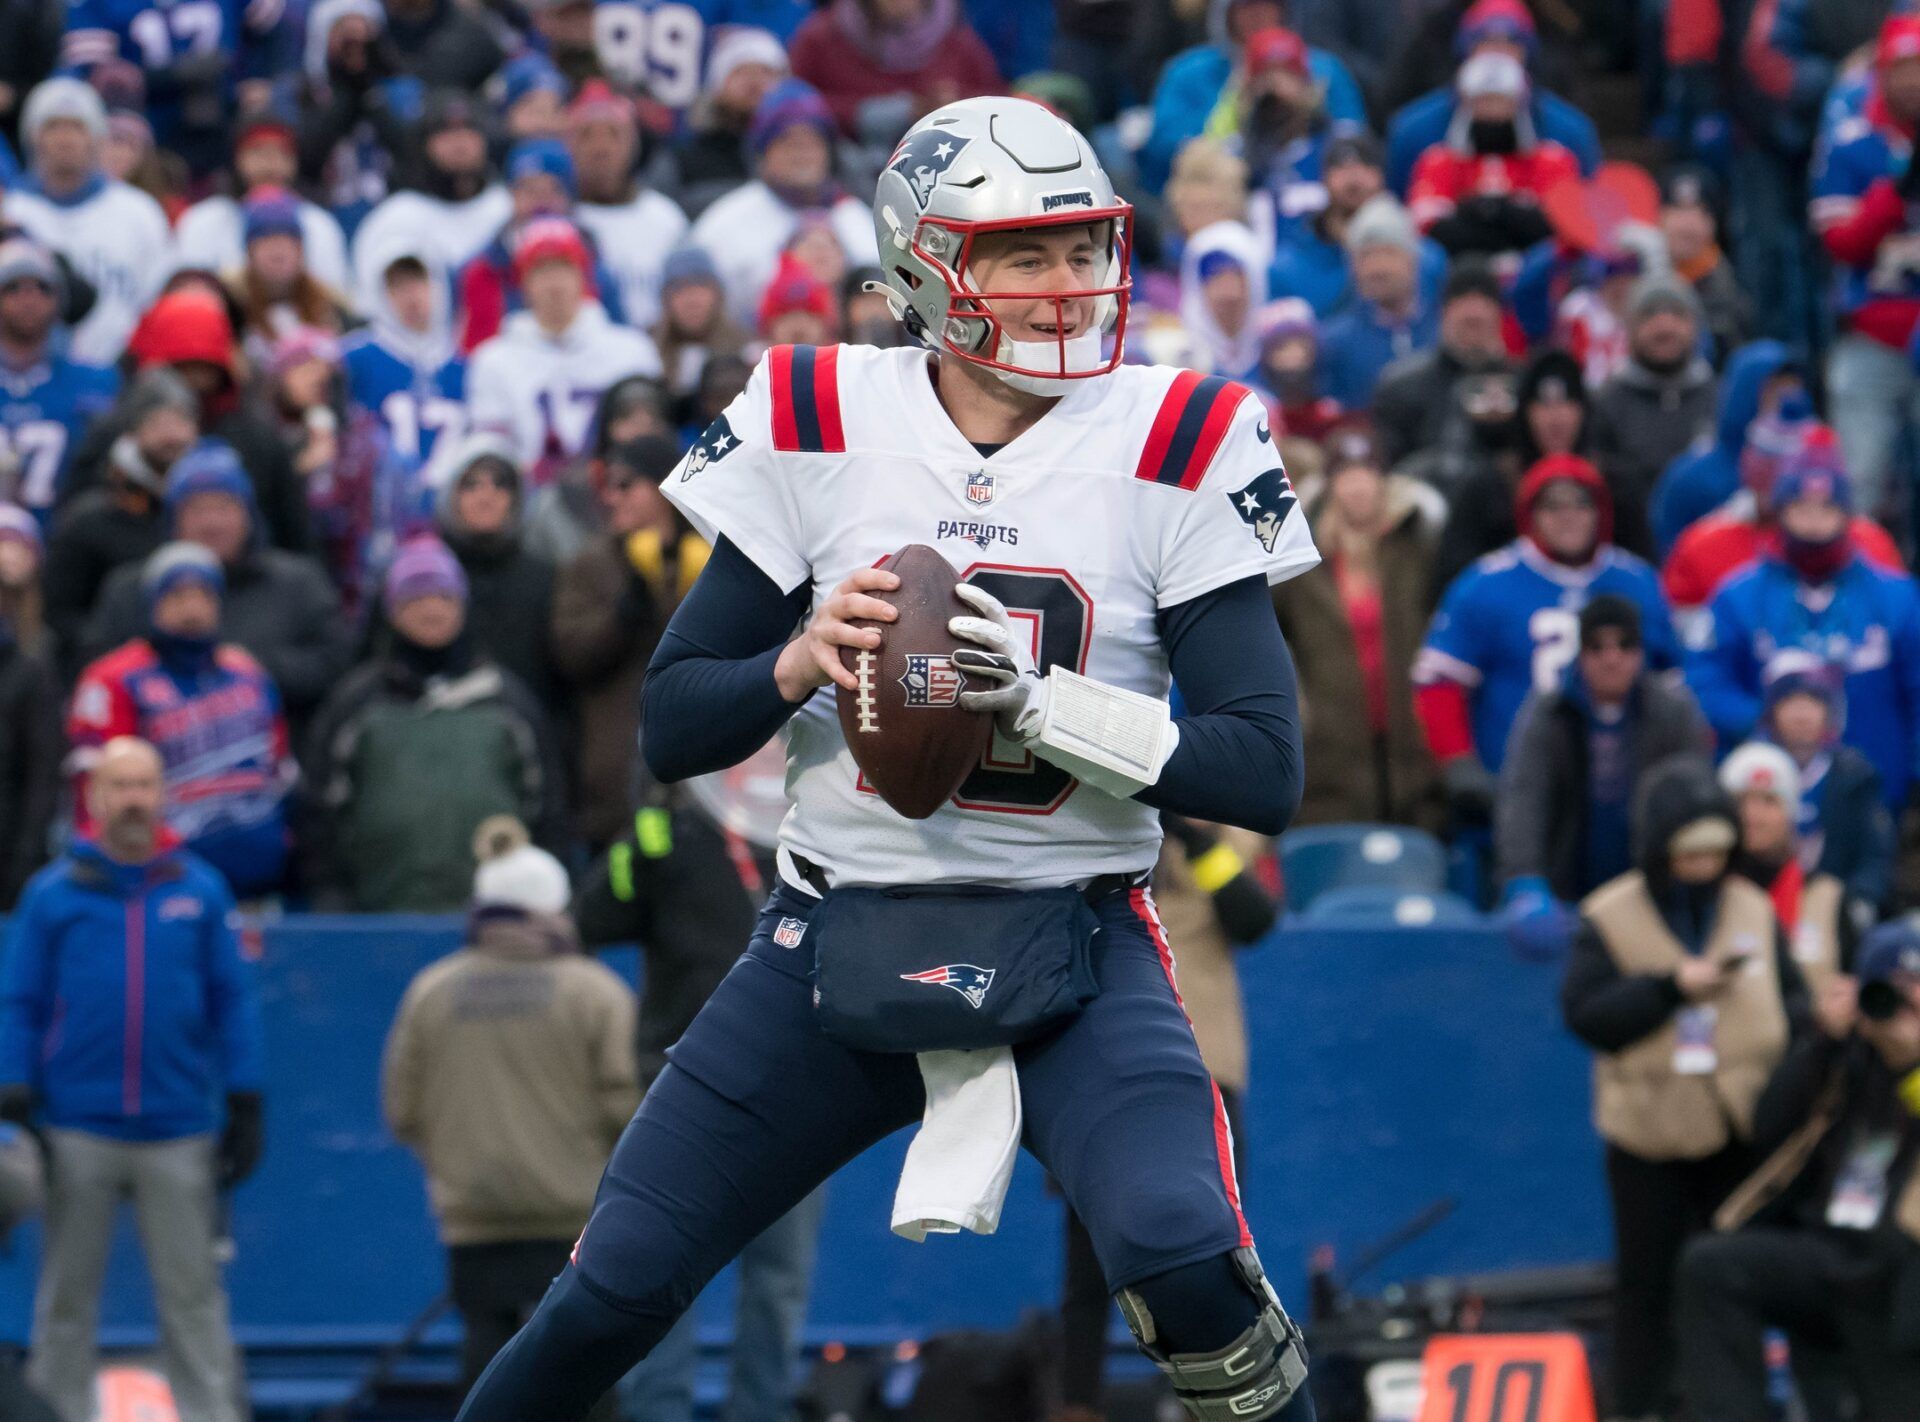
948,968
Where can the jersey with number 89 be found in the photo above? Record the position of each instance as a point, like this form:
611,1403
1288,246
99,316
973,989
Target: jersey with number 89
1138,491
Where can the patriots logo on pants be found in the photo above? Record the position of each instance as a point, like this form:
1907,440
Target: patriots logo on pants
968,979
931,680
1264,504
923,157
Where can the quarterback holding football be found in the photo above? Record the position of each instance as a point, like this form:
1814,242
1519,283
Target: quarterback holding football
1108,531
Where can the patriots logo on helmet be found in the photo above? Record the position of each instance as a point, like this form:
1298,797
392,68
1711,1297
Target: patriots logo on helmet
930,680
922,158
715,445
968,979
1264,504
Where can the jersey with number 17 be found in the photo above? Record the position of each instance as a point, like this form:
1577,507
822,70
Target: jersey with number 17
44,410
1136,492
416,405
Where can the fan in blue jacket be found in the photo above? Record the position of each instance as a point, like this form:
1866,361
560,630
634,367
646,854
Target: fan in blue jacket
1190,85
1814,594
1759,378
125,1008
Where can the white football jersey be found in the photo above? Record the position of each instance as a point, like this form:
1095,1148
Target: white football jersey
543,391
1138,491
116,237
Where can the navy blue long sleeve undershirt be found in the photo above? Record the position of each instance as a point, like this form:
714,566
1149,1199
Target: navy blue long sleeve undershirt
710,699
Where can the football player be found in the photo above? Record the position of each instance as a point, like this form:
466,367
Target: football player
1117,527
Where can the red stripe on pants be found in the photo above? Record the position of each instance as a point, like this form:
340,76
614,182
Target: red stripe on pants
1143,908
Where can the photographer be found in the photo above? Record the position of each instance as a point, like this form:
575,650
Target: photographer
1680,981
1824,1240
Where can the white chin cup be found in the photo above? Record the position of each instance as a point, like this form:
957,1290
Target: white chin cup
1082,356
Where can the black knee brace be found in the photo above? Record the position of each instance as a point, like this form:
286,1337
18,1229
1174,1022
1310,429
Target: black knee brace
1254,1376
572,1351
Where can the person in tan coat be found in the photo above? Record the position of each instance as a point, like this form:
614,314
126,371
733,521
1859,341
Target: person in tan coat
1354,624
510,1070
1680,980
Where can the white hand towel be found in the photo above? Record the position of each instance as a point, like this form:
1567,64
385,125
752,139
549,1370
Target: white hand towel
961,1160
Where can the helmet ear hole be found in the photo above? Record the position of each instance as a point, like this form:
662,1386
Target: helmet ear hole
912,281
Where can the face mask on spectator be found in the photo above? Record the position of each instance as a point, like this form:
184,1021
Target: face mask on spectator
1494,137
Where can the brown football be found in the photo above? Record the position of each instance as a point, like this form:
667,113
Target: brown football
911,738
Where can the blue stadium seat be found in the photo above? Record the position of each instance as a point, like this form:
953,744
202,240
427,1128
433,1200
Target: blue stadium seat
1388,906
1324,857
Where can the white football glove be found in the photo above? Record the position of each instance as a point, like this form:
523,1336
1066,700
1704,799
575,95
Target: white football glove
1019,696
1113,739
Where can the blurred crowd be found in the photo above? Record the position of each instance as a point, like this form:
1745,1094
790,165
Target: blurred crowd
344,347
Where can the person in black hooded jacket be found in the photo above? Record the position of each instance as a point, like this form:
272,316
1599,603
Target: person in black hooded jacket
1550,417
482,515
1681,981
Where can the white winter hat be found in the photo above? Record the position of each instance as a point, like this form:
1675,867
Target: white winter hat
1489,74
63,98
1763,767
514,872
743,44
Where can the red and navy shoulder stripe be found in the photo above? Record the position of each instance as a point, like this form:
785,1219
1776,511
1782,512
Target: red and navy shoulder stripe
1188,430
806,399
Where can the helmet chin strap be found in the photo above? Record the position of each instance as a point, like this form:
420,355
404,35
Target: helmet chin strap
1081,352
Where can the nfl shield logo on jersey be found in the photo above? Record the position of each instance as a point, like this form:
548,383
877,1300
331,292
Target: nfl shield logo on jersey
789,931
930,680
1264,504
923,157
980,487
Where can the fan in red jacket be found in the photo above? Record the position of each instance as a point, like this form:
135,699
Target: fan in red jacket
1718,546
1481,189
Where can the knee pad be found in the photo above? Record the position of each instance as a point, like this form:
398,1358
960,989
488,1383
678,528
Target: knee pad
1253,1377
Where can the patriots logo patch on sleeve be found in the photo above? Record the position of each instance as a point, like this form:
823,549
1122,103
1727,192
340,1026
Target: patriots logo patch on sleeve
715,445
923,157
1263,506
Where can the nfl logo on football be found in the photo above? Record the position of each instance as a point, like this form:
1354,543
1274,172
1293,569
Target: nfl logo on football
930,680
789,932
980,487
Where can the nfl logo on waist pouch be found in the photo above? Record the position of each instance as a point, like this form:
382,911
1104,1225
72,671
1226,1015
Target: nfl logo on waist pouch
950,967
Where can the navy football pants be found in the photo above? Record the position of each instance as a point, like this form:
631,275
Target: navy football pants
758,1107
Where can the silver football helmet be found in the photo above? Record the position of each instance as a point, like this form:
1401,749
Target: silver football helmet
992,165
